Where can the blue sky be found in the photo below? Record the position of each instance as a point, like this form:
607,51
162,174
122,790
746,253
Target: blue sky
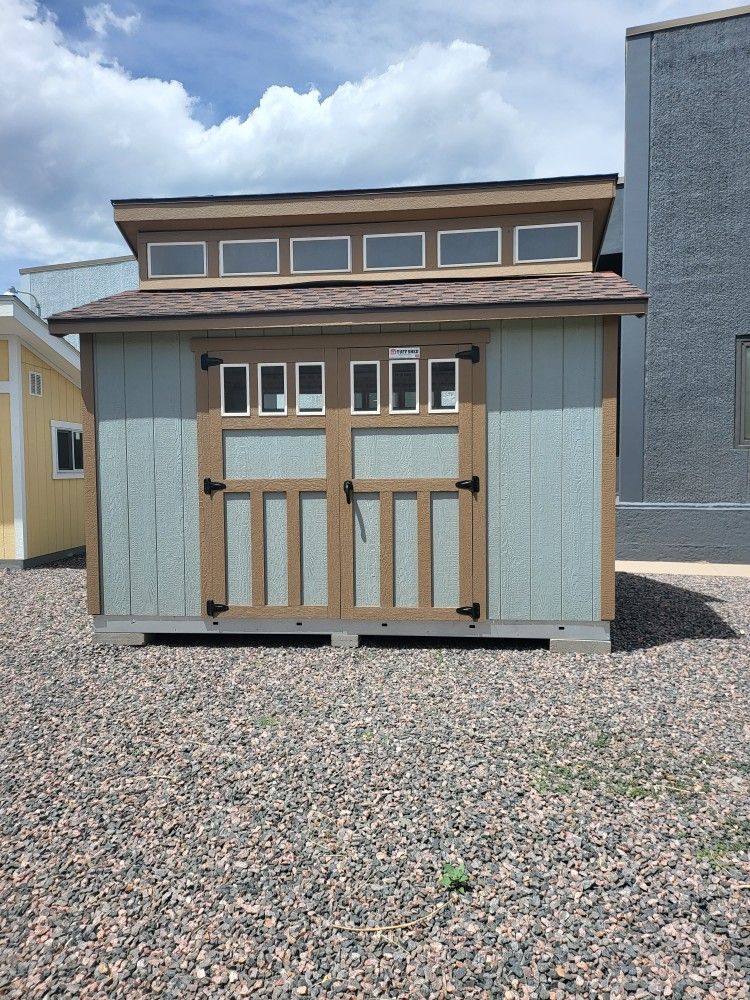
158,97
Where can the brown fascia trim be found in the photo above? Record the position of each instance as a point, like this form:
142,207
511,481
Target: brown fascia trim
684,22
370,192
75,263
410,314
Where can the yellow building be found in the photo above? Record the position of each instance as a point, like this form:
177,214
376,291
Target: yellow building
41,443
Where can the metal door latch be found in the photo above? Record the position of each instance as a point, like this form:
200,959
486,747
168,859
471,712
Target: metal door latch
469,484
213,609
348,490
471,610
210,487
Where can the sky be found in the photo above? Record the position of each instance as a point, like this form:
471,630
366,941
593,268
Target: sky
151,98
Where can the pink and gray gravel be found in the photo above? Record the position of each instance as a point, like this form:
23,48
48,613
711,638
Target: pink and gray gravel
191,820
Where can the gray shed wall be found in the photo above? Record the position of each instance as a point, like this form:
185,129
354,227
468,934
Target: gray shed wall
687,191
61,288
543,484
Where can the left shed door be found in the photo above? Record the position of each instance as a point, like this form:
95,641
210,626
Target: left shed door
269,536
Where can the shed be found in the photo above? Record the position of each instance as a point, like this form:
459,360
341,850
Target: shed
385,411
41,472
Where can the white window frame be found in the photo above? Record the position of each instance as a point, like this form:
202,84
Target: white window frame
57,472
743,364
33,375
244,274
272,413
474,263
235,413
309,364
401,361
364,413
441,409
397,267
178,243
320,239
545,260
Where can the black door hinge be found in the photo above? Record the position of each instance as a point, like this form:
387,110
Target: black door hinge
472,610
210,487
208,362
469,484
213,609
472,354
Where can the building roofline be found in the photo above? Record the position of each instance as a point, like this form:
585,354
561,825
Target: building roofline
682,22
346,192
75,263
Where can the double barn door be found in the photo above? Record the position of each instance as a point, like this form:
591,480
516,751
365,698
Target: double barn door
342,477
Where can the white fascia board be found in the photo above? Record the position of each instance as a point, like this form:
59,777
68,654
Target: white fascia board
17,320
17,445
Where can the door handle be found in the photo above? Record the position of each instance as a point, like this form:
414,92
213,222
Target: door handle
348,490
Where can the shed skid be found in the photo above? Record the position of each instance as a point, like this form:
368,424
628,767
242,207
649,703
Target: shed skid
595,633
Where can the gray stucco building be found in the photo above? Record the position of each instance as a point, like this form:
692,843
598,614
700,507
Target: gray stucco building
684,466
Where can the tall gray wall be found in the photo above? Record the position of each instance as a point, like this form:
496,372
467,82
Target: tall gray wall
543,483
687,192
61,287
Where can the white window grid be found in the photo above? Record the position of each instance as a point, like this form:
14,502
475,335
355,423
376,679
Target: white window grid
240,274
57,472
321,239
235,413
442,361
472,263
187,243
402,361
310,364
271,413
398,267
352,366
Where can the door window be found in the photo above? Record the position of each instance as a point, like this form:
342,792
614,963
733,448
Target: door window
443,389
365,387
404,387
272,390
310,387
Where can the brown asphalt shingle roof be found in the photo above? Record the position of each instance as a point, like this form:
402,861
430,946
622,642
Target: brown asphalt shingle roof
597,287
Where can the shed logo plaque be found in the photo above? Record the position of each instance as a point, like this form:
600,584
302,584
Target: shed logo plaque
403,353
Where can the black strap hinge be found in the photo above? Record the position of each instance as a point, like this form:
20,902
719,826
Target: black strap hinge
210,487
469,484
213,609
472,610
208,362
472,354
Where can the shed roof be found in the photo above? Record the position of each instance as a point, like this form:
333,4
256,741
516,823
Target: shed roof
598,289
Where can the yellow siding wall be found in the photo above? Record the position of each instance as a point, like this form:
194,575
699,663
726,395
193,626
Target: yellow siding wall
54,507
7,533
4,376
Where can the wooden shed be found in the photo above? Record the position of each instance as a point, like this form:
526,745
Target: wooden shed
363,412
41,454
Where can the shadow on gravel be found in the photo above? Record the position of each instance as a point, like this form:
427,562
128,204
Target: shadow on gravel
653,613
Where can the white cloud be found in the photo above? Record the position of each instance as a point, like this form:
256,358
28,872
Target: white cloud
100,18
79,131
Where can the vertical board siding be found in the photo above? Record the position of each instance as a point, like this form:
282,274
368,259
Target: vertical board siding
544,470
405,579
275,548
444,522
148,474
239,585
314,548
365,510
170,540
546,452
139,434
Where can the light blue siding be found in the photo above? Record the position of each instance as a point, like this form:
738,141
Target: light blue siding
544,470
114,545
366,513
404,452
275,545
275,454
314,548
147,474
444,518
237,549
405,578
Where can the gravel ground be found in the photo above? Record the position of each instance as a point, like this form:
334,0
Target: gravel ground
192,820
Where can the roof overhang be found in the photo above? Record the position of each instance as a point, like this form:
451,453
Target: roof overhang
585,294
17,320
594,192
